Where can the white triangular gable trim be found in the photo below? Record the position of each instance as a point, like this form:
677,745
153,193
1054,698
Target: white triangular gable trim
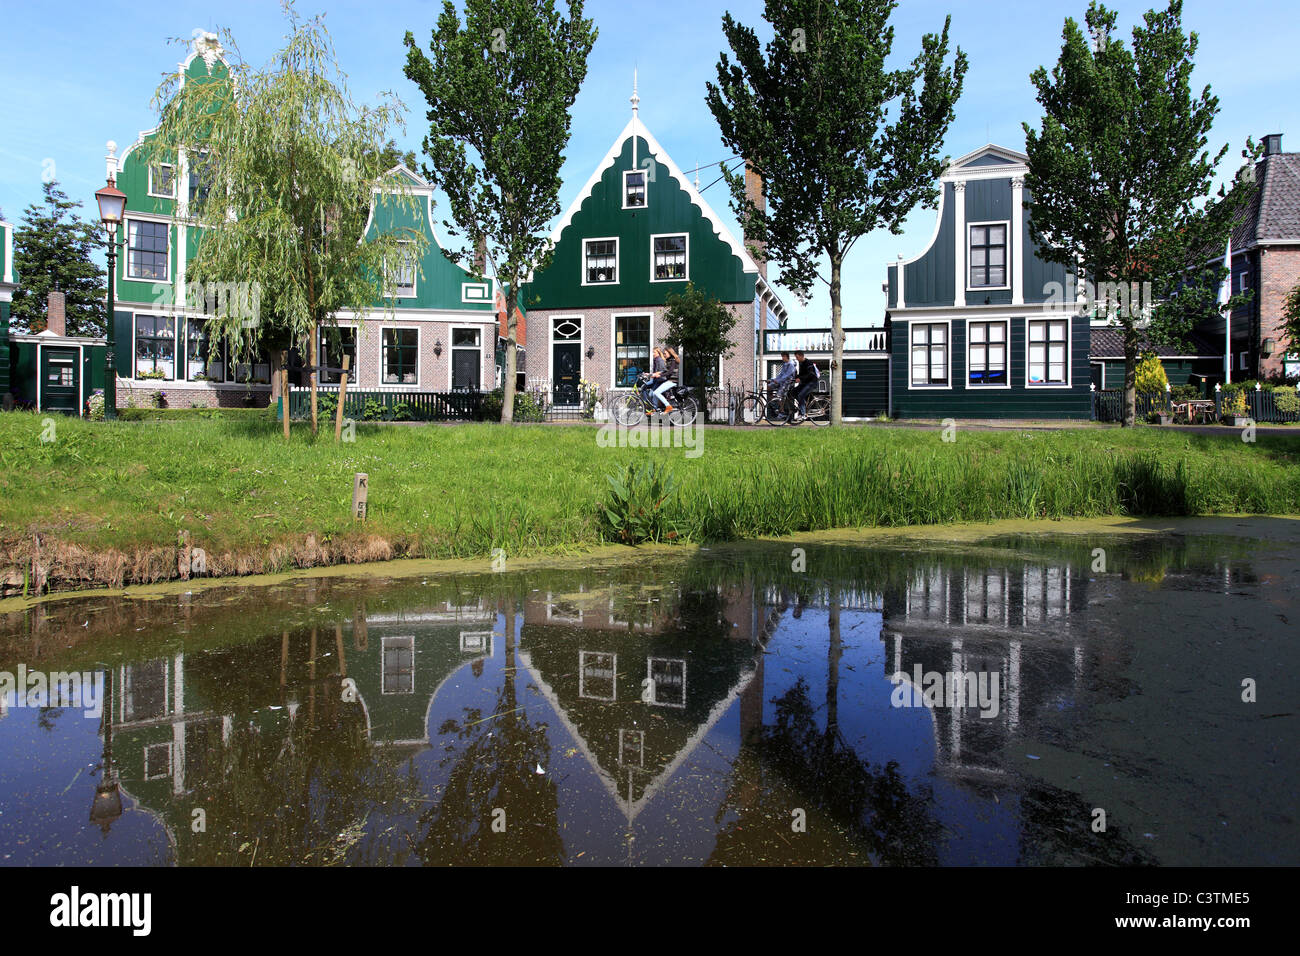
1009,156
637,128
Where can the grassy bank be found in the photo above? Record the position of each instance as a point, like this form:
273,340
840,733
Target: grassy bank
105,504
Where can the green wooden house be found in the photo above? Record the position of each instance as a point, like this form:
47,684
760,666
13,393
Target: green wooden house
980,325
637,232
434,330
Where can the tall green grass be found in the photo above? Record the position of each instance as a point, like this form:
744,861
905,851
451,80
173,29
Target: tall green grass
457,491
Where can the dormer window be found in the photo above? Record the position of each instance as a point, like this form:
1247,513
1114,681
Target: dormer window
634,193
988,256
601,262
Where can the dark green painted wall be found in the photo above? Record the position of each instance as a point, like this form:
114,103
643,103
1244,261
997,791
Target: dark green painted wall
712,265
930,280
1178,371
867,393
1018,401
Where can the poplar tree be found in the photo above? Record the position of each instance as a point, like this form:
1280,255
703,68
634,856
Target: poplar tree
499,87
844,144
53,246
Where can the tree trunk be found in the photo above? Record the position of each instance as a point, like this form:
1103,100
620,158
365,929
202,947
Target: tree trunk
1130,383
837,341
508,386
311,362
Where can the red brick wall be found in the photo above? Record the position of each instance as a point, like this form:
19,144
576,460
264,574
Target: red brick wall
1280,273
598,333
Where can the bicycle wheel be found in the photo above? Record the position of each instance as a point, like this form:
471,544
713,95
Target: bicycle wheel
630,412
753,410
819,410
685,413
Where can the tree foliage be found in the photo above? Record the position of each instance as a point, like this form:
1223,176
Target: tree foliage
289,167
844,144
1151,375
53,246
499,87
1121,179
700,327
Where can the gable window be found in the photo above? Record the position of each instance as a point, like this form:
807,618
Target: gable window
162,181
634,189
403,277
988,256
929,353
334,344
987,353
1048,343
155,347
400,358
200,177
398,675
669,258
631,348
146,250
601,262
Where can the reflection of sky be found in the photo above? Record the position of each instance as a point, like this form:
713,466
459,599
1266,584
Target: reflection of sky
47,784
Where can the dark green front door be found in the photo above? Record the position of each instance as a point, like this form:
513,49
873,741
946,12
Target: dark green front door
60,380
566,358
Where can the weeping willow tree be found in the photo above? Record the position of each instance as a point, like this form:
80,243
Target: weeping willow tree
283,168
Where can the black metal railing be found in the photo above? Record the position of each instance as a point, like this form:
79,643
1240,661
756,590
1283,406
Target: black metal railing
372,405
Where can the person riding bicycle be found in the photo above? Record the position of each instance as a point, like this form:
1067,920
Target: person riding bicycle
789,369
669,378
807,379
656,380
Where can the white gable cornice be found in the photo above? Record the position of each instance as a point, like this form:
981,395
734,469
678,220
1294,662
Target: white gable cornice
636,128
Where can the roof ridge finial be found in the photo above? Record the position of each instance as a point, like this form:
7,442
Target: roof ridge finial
635,98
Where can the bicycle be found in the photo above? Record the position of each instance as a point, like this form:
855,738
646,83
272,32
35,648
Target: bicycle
757,407
817,410
638,406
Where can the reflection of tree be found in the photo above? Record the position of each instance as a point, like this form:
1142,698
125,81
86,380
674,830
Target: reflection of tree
495,769
1056,830
856,814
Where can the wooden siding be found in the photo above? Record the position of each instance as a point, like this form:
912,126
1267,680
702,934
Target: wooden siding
867,393
1018,401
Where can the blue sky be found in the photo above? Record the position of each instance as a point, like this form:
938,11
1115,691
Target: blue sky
63,104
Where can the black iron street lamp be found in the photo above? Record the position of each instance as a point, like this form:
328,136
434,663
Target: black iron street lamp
112,207
107,806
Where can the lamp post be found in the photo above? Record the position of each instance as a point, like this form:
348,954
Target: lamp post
107,806
112,206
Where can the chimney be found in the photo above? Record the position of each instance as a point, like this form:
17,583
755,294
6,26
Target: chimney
754,193
56,313
480,256
1273,144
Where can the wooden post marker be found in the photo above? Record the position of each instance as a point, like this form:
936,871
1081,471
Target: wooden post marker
343,394
360,489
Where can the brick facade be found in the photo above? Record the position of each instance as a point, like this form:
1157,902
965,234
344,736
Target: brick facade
598,335
1279,275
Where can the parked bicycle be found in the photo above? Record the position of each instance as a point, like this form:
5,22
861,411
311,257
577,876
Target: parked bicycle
768,406
639,406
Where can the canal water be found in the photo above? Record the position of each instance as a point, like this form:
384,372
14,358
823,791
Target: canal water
1023,700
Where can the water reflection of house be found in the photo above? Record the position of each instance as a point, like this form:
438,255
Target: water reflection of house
639,677
983,622
172,719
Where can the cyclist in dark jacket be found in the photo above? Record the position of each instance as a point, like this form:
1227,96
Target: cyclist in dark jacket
807,381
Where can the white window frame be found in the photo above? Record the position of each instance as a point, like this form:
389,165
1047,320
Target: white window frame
167,746
175,178
618,265
947,323
582,675
1069,355
649,676
452,348
613,351
413,386
167,255
1006,342
392,290
1006,265
670,235
383,670
645,184
176,346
